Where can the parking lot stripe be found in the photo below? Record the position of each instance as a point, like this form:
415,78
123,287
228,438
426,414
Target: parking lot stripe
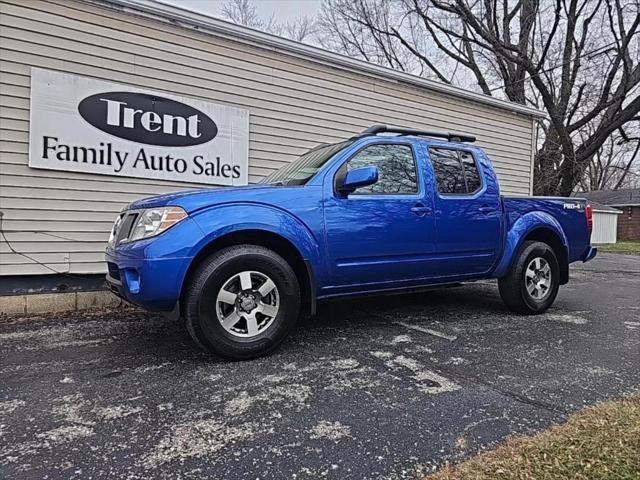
435,333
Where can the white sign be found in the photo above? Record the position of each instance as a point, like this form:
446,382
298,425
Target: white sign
83,125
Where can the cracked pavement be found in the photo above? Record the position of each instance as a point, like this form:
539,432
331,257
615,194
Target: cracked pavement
385,387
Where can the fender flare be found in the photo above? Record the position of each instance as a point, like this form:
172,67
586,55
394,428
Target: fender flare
229,218
221,220
525,225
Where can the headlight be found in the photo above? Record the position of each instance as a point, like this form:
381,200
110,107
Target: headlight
155,221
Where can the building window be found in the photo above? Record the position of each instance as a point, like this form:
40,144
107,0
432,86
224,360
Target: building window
396,169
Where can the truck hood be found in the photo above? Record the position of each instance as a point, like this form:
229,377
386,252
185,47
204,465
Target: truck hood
193,200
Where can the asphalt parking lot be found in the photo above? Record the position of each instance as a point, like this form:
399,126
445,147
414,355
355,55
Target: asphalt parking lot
389,387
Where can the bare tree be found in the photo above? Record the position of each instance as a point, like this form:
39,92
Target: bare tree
615,165
302,29
339,33
577,60
244,12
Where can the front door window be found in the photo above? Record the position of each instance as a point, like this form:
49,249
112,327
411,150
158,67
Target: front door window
396,169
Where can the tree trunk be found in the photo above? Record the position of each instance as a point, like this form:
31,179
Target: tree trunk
546,176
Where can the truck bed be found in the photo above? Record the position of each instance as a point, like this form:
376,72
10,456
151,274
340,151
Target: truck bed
569,213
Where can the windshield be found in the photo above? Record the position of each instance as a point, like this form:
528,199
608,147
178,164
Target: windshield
304,167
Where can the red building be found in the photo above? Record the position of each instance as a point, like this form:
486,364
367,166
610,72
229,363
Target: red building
628,202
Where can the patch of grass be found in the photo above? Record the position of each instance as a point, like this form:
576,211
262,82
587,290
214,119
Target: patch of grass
628,247
599,442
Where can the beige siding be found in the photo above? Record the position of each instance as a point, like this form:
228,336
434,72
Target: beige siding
62,219
605,227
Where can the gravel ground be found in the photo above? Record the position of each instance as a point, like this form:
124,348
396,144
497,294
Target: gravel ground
387,387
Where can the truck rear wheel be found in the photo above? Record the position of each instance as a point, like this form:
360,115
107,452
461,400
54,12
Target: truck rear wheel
242,302
532,284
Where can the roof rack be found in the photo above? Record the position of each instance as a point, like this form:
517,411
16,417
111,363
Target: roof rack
450,136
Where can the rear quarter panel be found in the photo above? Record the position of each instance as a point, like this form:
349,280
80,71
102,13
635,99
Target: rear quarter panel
564,216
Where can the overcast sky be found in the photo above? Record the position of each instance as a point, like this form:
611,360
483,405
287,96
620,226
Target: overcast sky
285,10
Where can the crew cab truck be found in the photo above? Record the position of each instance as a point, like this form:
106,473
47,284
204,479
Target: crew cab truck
389,209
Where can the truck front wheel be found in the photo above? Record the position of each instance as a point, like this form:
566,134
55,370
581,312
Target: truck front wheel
241,302
532,284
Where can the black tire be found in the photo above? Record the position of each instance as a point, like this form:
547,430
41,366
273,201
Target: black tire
513,287
200,304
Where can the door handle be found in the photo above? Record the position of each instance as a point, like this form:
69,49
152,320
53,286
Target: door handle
486,209
421,210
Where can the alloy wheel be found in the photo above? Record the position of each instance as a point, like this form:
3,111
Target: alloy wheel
247,303
538,278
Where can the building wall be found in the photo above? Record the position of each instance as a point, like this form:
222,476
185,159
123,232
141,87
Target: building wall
629,223
605,226
62,219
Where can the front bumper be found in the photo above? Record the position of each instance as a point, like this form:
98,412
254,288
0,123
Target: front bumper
154,284
589,254
151,272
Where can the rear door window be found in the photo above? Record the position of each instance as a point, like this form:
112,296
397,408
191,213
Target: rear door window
471,174
456,171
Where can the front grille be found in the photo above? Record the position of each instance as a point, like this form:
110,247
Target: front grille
114,271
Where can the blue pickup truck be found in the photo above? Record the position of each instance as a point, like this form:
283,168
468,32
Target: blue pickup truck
387,210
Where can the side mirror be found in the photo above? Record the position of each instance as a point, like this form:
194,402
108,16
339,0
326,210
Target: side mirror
357,178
